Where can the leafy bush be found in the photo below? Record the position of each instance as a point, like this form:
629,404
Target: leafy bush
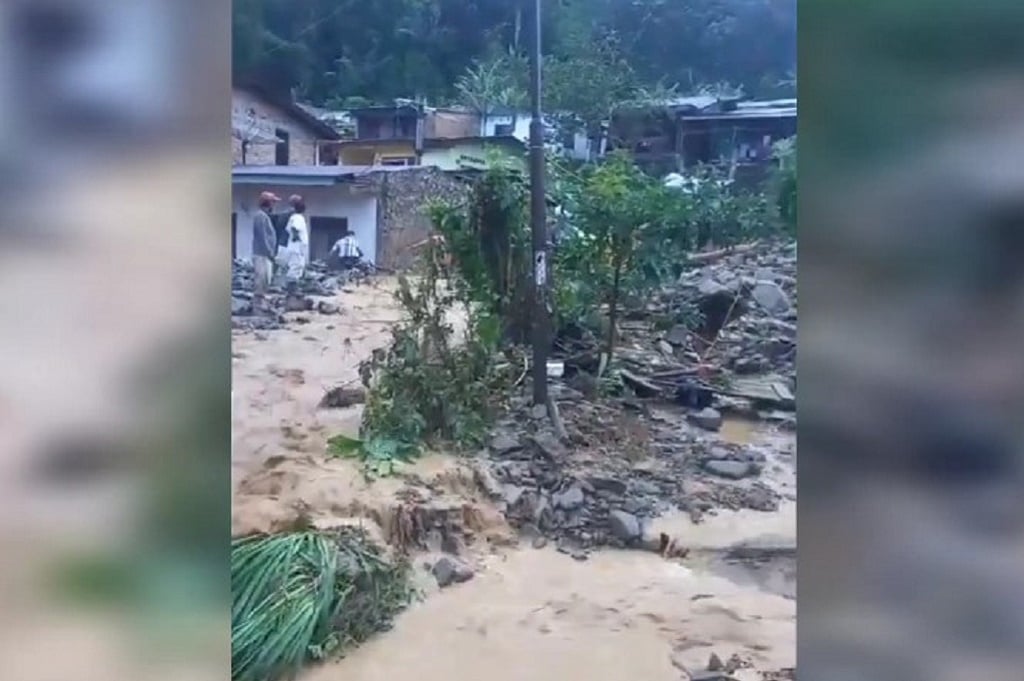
304,596
428,385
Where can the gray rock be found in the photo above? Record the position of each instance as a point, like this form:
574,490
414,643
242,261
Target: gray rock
733,470
325,307
240,306
548,445
624,525
540,542
484,479
612,485
294,303
710,287
749,365
771,298
665,348
711,676
707,418
512,494
504,443
570,499
678,335
645,488
539,411
448,571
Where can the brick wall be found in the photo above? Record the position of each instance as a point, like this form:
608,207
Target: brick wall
261,132
402,220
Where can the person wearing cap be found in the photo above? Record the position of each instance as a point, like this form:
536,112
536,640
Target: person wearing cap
264,247
297,250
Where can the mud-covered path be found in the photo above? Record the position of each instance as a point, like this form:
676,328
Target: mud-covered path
528,613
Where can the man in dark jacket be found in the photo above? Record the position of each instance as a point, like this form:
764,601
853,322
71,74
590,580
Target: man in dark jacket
264,248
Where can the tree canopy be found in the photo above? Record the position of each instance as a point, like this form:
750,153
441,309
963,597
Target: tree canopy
331,51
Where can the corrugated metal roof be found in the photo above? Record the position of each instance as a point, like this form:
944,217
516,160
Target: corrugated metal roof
747,113
767,104
698,102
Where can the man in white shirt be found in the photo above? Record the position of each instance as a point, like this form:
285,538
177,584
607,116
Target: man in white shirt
298,240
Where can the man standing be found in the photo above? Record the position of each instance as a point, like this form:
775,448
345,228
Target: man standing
297,250
264,248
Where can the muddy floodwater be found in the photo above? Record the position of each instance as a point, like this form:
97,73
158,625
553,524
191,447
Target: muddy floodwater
537,614
528,613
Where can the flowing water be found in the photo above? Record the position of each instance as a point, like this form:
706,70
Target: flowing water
540,615
528,614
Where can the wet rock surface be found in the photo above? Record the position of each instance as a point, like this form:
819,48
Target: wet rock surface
758,288
618,470
654,445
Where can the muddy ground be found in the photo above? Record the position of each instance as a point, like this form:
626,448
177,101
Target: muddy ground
530,610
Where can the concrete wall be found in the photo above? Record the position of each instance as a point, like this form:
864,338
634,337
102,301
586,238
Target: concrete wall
255,120
522,125
338,201
461,156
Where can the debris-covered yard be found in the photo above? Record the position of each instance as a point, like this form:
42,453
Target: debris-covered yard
639,522
708,499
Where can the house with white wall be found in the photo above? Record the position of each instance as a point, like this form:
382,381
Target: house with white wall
384,206
516,123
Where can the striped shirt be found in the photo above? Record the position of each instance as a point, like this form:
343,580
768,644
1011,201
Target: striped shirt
346,247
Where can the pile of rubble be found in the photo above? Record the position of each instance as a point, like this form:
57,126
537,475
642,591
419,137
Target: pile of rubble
613,460
317,282
748,302
620,464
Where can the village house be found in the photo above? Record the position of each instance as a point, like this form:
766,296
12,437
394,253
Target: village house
384,206
450,138
704,130
267,129
385,136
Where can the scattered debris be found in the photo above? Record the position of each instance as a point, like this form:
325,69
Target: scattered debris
618,458
317,282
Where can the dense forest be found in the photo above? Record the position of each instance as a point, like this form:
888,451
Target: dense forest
342,52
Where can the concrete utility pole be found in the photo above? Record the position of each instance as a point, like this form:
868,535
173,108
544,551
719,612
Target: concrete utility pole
538,224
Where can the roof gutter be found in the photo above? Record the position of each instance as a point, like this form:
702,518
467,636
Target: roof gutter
289,180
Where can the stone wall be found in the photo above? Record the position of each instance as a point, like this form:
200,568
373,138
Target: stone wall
260,128
402,220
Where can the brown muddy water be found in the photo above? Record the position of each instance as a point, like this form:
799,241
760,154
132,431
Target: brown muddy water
528,614
540,615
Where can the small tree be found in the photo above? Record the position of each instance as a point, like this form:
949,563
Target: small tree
785,182
634,234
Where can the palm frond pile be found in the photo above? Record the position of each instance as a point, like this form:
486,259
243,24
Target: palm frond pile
303,596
